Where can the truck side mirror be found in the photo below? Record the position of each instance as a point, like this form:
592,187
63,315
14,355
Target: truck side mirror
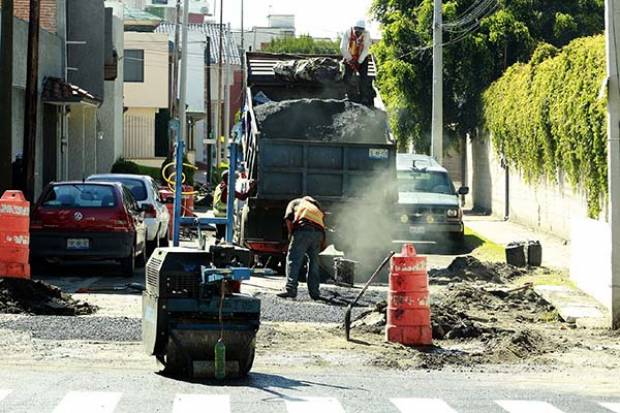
464,190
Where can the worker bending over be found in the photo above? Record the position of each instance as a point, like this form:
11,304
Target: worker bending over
355,49
219,202
305,222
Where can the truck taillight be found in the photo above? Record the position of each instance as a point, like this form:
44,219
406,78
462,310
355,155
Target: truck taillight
233,287
149,211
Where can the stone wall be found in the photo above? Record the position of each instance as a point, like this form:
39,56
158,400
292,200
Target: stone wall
545,205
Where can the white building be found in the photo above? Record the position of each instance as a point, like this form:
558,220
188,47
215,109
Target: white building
278,25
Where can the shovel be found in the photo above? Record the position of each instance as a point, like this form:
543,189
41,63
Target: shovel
347,315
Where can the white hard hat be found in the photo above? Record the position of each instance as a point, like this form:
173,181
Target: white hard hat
360,23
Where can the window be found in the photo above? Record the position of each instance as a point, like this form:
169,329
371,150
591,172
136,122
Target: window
425,181
134,65
80,196
135,186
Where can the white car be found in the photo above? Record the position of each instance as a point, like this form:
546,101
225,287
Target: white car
146,192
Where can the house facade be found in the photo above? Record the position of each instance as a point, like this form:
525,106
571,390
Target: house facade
70,140
145,72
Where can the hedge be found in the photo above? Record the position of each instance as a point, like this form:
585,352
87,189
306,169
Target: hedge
548,117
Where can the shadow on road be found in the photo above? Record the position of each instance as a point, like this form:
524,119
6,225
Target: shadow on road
272,384
102,277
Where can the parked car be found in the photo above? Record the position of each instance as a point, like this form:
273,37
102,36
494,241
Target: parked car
146,193
88,221
427,200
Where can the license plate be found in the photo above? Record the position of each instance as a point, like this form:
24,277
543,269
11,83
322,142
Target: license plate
417,230
78,244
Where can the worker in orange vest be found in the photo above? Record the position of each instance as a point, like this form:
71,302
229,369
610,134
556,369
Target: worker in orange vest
355,49
305,222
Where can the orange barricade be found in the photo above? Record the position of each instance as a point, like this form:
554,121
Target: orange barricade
14,235
408,313
188,201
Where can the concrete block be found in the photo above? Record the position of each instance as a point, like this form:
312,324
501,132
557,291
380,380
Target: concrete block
574,306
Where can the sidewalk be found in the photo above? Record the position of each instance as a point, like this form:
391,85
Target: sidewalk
573,305
556,251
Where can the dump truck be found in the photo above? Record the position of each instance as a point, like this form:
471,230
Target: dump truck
304,137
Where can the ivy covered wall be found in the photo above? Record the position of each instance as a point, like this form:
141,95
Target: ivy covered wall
549,116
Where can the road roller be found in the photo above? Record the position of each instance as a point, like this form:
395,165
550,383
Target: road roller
192,306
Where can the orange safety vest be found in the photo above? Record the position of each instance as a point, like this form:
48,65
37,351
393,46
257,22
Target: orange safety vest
306,210
356,45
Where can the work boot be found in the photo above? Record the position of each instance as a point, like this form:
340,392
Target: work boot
286,294
315,296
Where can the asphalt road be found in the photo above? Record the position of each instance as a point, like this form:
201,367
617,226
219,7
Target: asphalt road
44,390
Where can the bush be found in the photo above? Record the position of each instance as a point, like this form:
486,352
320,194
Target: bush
547,117
122,166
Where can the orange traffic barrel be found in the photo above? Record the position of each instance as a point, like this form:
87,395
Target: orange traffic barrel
408,312
14,235
188,201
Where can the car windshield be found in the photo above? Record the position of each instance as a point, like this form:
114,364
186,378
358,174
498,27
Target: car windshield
425,181
80,196
136,186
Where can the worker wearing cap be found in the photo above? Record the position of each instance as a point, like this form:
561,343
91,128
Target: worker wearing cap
305,222
220,197
355,48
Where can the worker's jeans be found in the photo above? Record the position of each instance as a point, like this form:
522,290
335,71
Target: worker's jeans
305,241
363,92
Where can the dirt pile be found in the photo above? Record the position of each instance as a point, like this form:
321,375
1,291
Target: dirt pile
19,296
323,120
469,268
478,316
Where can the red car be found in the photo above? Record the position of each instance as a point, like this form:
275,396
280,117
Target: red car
88,221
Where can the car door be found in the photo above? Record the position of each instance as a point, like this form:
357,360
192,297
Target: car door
162,210
138,218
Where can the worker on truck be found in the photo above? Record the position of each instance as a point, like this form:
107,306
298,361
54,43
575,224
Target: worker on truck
305,222
355,49
219,202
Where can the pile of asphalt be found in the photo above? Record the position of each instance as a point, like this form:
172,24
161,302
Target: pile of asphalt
78,328
469,268
321,120
329,309
24,296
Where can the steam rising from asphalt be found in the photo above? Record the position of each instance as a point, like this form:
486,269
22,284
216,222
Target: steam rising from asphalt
367,224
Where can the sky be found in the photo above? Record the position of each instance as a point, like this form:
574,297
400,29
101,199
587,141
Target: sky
319,18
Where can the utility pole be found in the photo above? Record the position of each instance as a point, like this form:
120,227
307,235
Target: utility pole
220,72
175,75
6,97
32,91
612,37
242,57
437,122
183,91
209,107
227,83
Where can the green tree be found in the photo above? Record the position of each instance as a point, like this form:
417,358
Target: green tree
475,54
304,44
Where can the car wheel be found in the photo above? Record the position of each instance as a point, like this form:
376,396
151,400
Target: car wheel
128,264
